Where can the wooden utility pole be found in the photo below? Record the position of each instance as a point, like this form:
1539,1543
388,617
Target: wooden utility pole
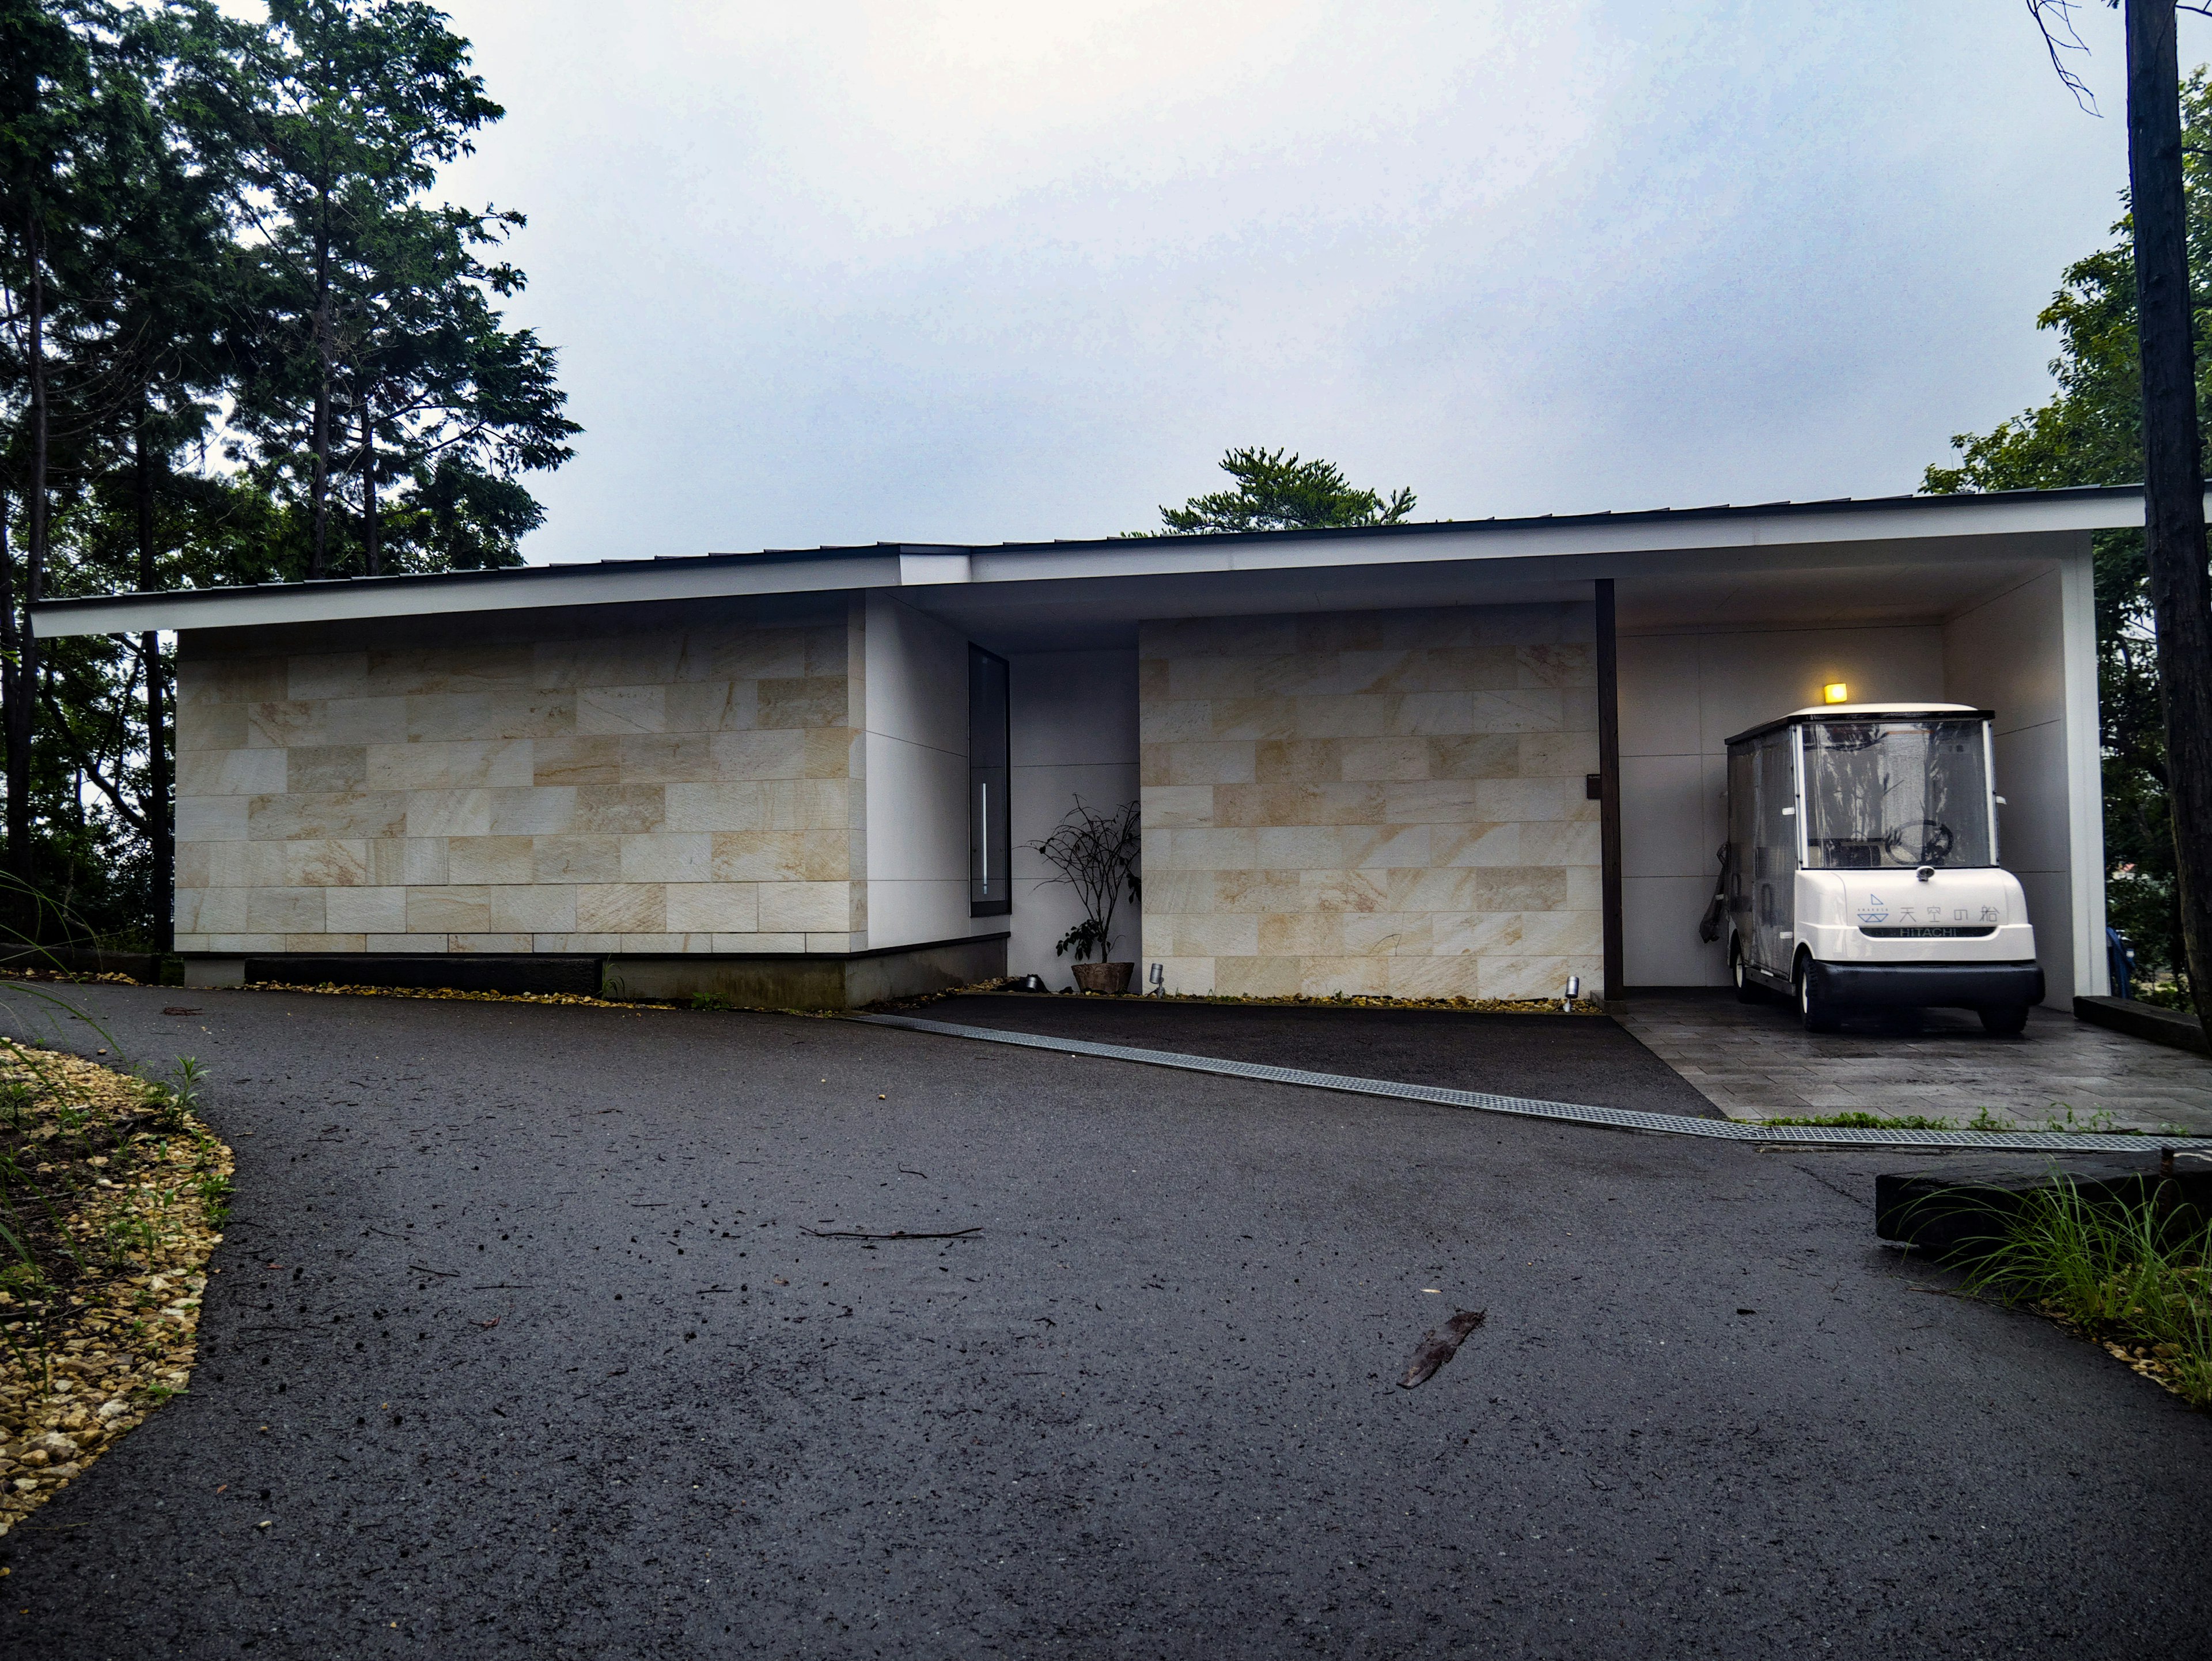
2173,466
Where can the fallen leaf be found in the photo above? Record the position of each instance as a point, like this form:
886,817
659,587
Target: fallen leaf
1439,1345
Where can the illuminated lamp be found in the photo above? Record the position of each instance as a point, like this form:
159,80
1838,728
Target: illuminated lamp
1835,692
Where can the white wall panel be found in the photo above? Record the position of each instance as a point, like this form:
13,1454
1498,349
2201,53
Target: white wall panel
1659,713
1681,696
917,676
2010,654
1659,933
1668,839
906,913
1075,734
918,812
1746,678
917,778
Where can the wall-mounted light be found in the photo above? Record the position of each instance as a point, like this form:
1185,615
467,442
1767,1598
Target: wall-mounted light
1835,692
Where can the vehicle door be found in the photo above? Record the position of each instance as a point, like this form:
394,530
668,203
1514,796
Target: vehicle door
1774,854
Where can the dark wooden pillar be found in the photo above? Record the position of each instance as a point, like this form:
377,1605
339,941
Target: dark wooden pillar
1608,772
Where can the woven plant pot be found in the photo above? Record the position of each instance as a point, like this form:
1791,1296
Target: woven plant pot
1104,976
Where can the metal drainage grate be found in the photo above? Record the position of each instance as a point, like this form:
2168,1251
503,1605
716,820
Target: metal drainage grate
1610,1118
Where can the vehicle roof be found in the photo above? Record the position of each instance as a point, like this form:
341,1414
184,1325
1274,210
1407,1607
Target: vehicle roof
1813,712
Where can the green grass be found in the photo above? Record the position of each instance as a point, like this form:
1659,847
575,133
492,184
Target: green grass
2064,1121
1870,1121
2127,1273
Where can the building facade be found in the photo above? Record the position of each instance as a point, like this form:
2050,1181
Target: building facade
1470,760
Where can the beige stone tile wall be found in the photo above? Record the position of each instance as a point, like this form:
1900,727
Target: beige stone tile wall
656,780
1372,802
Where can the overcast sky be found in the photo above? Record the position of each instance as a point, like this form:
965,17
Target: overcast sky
984,271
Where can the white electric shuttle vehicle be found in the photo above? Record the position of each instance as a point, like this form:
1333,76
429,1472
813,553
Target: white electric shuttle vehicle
1862,869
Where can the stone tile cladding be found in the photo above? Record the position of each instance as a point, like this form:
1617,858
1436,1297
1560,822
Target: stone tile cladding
1372,802
664,781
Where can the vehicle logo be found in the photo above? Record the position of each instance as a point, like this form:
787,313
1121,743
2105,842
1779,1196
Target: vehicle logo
1877,911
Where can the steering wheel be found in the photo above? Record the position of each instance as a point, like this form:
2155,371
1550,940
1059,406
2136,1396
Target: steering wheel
1936,841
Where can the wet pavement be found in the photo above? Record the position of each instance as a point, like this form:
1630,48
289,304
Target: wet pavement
542,1331
1758,1062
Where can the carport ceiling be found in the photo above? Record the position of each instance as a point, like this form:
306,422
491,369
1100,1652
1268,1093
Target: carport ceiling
1830,597
1731,588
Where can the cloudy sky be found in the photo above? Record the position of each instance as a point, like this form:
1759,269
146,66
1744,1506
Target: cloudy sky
980,271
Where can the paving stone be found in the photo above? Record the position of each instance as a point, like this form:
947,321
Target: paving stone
1755,1062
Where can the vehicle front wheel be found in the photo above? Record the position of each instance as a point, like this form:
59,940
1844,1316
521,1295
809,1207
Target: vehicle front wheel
2007,1022
1819,1014
1747,990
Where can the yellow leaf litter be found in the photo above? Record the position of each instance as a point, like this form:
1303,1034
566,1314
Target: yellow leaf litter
102,1327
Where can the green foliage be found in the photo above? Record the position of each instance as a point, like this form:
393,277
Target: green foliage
1277,492
1088,936
376,361
2090,433
262,351
1870,1121
1098,856
2134,1272
214,1189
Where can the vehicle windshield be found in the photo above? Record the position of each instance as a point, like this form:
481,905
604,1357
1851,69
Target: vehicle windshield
1880,794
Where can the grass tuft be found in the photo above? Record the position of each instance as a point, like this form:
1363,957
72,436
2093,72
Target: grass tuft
1869,1122
2133,1275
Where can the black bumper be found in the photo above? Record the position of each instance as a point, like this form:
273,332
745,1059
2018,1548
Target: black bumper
1925,985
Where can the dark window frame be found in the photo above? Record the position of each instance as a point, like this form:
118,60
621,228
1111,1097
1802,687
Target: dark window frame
990,824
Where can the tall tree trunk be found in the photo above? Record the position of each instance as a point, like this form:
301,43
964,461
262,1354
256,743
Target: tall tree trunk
22,686
372,541
160,832
319,489
15,689
2173,467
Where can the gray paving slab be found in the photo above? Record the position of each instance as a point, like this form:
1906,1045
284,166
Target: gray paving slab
1146,1410
1756,1061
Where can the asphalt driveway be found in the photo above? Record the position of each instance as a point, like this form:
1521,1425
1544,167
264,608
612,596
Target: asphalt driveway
1579,1058
519,1347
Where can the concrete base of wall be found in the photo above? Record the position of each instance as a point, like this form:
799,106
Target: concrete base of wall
782,981
83,960
812,982
2177,1027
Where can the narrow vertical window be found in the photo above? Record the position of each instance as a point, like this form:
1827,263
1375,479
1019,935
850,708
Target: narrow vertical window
990,818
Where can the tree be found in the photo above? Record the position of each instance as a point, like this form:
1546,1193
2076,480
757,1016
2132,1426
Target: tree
56,63
151,304
2091,433
236,345
1280,492
2176,581
362,102
445,399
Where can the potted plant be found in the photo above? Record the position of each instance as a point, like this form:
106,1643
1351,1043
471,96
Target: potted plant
1096,855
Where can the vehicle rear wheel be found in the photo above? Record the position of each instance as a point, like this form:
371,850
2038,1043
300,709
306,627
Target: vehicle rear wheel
1819,1014
2007,1022
1747,990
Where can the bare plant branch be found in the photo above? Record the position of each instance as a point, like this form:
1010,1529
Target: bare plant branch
1096,855
2054,20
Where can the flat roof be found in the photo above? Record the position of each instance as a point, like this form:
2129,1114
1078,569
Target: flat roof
893,565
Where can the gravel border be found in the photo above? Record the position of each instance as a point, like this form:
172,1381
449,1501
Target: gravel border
125,1332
